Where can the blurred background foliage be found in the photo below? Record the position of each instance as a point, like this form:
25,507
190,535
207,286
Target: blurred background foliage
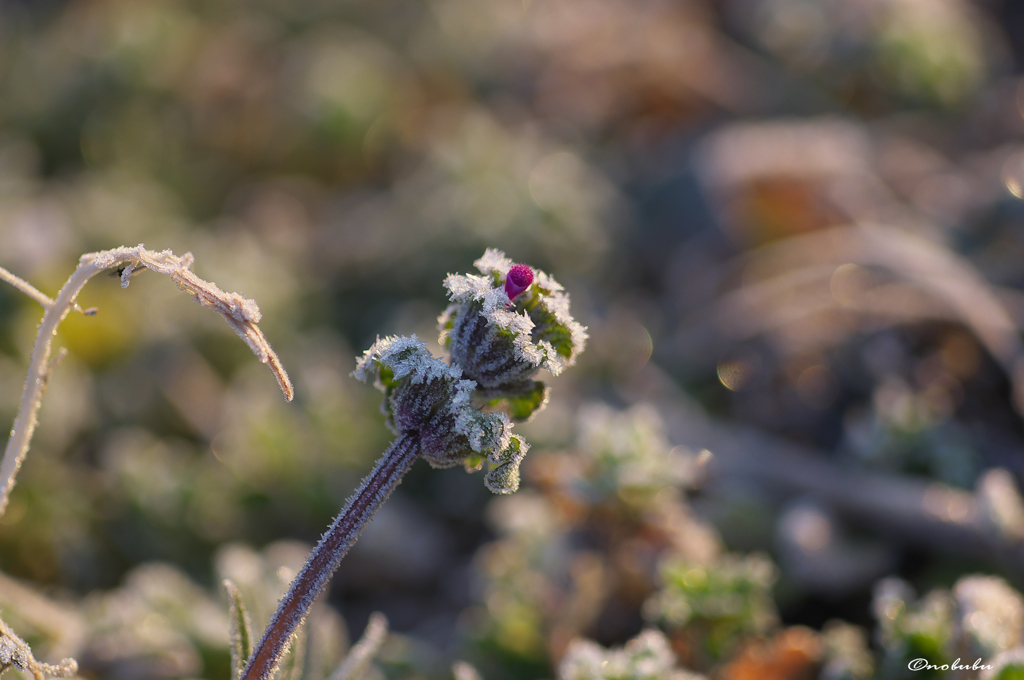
793,448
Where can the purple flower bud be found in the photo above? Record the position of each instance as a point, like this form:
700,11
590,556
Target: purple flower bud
518,279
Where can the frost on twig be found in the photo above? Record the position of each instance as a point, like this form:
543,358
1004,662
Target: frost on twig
241,314
36,294
14,653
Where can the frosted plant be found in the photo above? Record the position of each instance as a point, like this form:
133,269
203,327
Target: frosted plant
14,653
727,599
990,613
1006,665
429,401
646,657
629,455
910,628
501,328
847,653
980,617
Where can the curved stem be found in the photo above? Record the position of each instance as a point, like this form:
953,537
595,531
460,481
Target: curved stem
327,555
38,374
241,314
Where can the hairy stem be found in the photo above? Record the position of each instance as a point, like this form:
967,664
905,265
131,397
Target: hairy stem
327,555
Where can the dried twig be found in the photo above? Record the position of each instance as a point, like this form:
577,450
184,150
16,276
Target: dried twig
241,314
15,653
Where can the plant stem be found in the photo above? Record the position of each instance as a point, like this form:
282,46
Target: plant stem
327,555
38,373
240,313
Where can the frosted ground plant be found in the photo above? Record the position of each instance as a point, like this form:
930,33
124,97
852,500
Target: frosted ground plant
629,456
979,618
500,334
727,599
646,657
432,407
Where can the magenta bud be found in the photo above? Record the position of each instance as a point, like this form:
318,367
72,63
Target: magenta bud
518,279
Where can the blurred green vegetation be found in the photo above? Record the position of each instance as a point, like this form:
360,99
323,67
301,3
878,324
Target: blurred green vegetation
793,228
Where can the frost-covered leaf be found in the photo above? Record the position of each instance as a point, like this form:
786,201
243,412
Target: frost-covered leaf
503,477
241,630
363,652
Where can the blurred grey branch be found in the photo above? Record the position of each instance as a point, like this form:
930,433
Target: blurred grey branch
984,524
839,271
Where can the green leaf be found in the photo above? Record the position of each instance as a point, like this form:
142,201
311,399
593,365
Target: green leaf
547,327
241,631
523,405
503,477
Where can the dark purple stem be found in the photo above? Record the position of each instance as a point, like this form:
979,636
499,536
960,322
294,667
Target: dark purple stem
326,557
